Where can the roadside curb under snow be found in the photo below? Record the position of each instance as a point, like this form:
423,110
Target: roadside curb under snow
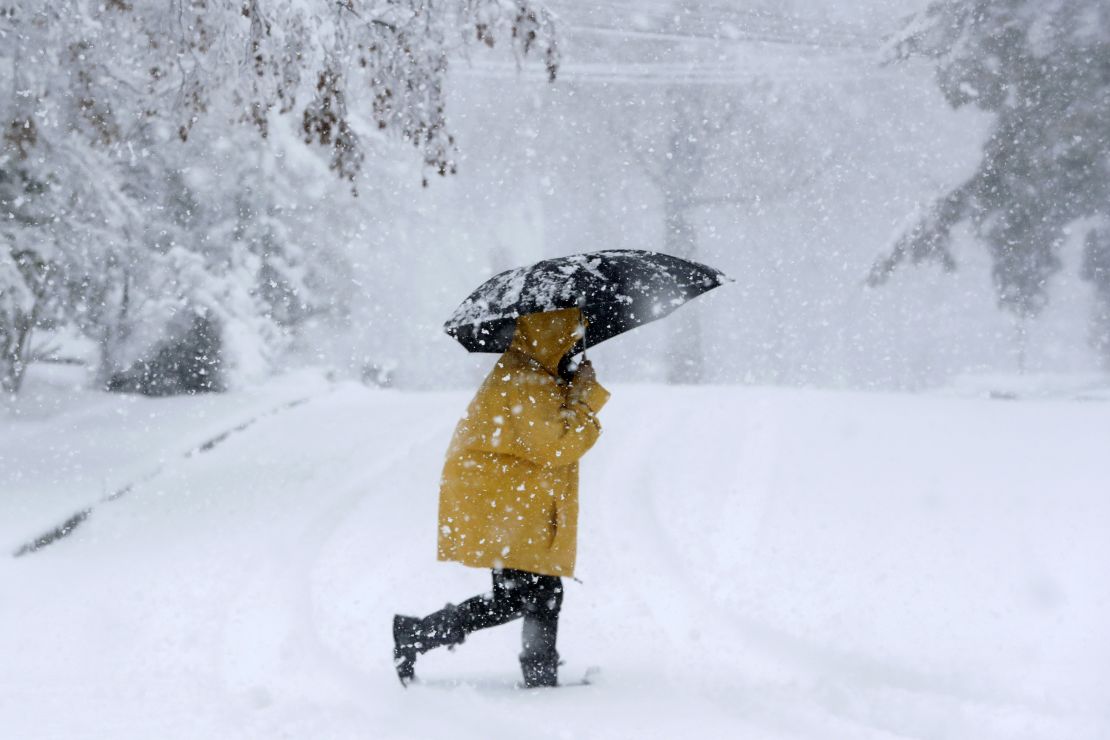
69,525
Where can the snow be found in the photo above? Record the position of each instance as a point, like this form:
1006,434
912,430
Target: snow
755,563
614,288
554,284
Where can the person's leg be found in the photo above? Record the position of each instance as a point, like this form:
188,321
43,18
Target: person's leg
450,625
502,604
539,660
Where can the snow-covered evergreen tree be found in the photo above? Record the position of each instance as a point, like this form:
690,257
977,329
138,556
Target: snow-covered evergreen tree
1042,67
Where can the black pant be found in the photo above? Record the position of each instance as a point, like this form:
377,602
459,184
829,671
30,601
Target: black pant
517,593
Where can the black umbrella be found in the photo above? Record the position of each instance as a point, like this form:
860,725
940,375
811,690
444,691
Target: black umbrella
617,290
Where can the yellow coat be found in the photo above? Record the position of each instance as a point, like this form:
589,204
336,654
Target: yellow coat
509,492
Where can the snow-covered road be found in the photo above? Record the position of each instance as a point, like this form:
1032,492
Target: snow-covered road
754,563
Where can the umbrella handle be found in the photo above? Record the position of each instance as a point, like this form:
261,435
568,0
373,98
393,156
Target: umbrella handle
585,328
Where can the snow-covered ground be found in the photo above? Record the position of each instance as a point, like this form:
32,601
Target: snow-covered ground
755,563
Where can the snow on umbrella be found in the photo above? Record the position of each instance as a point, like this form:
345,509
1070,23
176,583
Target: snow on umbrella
617,290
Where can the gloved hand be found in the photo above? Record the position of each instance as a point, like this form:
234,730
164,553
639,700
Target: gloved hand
585,391
585,374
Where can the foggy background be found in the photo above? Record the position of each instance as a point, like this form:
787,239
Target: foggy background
775,141
827,155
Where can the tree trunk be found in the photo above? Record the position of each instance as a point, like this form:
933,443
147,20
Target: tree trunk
14,341
113,333
1100,327
1096,270
685,360
1021,339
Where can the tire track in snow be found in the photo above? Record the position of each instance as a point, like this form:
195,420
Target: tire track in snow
284,583
761,661
629,505
709,661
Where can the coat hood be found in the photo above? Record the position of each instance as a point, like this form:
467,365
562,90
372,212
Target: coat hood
546,337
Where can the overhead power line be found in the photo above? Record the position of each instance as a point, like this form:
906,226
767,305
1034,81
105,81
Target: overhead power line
661,74
748,44
715,23
819,41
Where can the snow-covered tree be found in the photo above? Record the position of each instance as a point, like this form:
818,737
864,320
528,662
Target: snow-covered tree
1042,67
146,155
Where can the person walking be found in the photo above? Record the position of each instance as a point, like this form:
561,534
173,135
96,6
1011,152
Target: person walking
509,495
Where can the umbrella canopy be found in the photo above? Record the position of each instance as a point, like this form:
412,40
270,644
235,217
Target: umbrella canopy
617,290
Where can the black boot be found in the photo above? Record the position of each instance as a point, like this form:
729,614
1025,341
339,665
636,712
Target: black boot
412,636
539,661
405,640
540,671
